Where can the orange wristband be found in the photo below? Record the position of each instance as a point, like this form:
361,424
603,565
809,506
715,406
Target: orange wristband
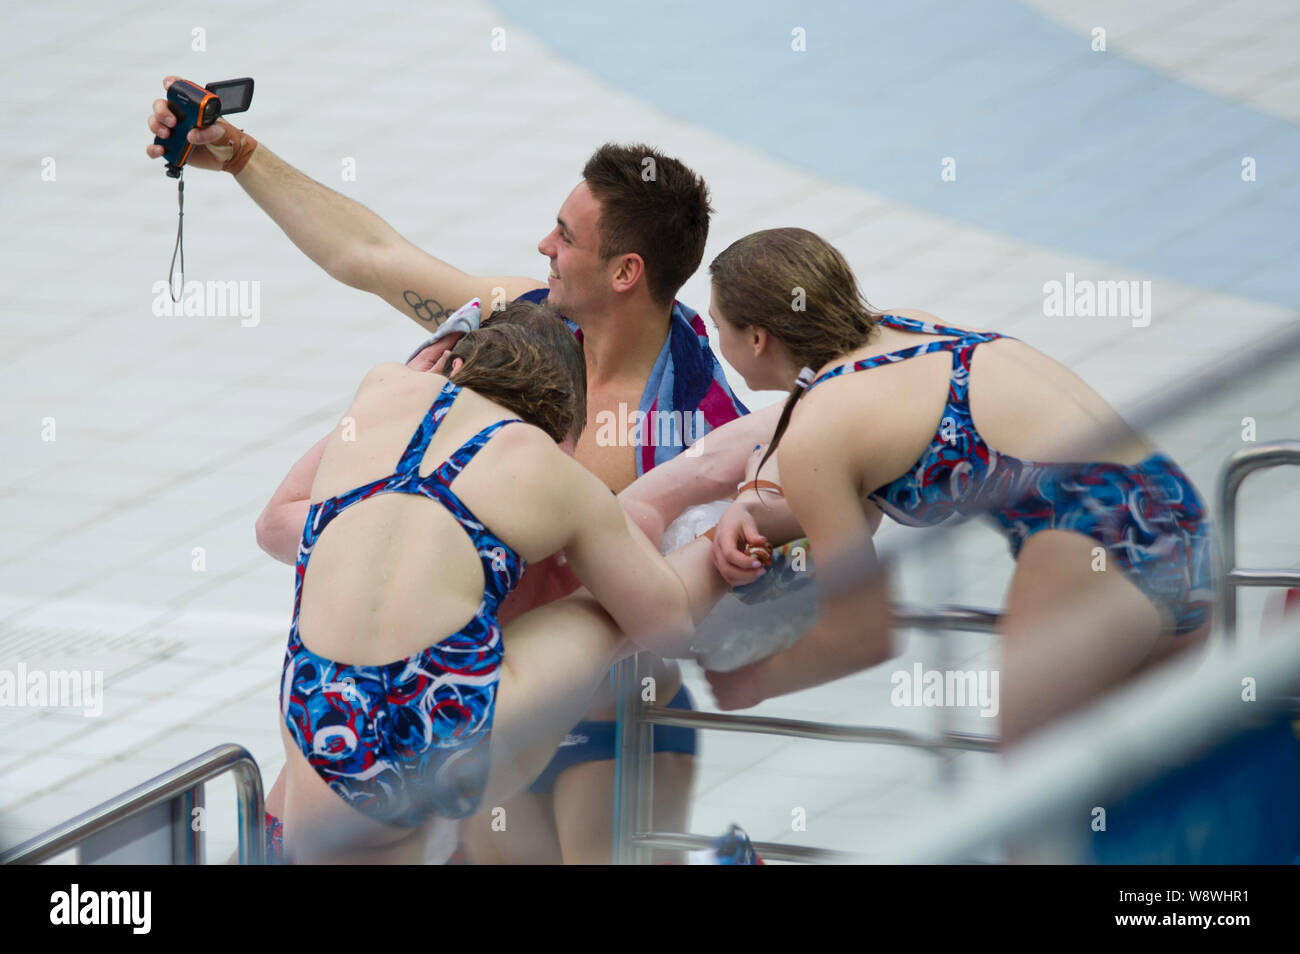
243,145
756,484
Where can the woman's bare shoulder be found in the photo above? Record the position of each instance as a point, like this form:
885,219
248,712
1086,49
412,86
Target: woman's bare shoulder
391,372
528,442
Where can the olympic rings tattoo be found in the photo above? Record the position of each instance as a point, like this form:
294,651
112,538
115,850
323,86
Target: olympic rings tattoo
432,309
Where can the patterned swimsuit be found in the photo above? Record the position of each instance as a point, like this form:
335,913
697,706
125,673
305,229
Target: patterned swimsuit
1148,516
408,739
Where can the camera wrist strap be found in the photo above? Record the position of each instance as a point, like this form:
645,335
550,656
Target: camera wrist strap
179,249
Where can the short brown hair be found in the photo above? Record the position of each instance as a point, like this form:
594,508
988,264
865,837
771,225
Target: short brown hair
525,358
651,205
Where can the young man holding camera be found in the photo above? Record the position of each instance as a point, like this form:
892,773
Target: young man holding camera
625,240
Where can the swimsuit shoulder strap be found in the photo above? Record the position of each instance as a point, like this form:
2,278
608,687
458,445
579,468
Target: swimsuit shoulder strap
450,468
496,555
932,328
446,471
414,453
321,513
960,345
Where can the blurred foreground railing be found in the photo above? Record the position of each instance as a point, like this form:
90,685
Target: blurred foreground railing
1045,800
1240,466
634,837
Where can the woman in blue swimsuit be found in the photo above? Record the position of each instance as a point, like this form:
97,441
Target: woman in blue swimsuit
402,698
897,414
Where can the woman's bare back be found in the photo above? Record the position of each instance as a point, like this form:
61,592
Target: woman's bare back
1023,404
396,573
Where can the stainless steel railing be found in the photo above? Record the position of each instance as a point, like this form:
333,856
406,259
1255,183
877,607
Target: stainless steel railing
172,784
634,837
1240,466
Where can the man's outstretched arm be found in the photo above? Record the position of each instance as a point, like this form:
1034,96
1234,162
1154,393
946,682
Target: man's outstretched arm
342,236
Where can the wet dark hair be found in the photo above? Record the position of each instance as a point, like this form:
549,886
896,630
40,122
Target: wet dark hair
654,206
758,281
525,358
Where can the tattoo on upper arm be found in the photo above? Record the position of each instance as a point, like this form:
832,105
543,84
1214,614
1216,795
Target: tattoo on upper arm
426,309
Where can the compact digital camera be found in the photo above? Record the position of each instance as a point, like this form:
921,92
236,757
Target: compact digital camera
196,107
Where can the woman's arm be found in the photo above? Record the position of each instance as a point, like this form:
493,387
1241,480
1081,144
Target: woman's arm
758,517
854,630
279,528
708,470
615,560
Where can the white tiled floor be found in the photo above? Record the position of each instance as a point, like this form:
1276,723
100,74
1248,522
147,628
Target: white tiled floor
173,432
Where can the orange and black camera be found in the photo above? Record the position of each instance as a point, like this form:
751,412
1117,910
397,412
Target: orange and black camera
196,107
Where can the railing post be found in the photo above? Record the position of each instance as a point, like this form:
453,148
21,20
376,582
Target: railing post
629,764
251,804
1239,466
187,839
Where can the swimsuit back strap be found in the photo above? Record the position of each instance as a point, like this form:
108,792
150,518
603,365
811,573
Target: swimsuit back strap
448,470
413,456
876,361
932,328
502,566
960,344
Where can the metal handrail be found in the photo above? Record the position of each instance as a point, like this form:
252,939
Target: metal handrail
821,731
965,619
634,773
770,850
1240,466
162,788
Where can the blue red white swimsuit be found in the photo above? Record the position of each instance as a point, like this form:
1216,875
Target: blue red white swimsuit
408,739
1148,516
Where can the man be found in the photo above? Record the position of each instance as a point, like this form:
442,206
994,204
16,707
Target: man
625,240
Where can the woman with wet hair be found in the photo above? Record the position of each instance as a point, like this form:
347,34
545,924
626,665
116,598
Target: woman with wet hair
403,699
896,414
